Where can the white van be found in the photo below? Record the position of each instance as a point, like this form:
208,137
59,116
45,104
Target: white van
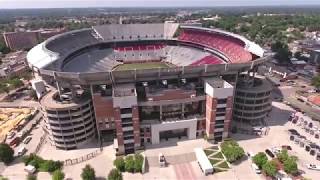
30,169
22,150
255,168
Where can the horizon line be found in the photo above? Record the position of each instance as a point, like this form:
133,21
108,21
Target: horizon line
169,7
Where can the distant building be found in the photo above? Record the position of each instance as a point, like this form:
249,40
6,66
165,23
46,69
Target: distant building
47,33
14,64
298,64
315,56
21,40
28,39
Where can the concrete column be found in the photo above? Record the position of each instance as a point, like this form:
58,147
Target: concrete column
136,126
119,132
228,117
211,104
160,112
182,107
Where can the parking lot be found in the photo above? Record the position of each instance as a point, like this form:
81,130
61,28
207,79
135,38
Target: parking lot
279,135
180,154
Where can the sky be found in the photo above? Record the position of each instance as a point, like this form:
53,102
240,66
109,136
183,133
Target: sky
18,4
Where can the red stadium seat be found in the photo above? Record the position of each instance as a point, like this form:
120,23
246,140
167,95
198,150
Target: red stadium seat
233,48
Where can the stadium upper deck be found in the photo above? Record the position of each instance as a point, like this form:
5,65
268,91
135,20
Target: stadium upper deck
101,49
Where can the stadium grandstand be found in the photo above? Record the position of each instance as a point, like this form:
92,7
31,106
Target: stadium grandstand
138,84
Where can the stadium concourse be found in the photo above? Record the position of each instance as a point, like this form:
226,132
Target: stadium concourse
139,84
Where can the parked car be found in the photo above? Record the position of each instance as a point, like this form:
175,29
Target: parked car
316,136
162,160
293,132
250,154
287,147
255,168
313,167
22,150
312,152
268,151
30,169
11,134
27,140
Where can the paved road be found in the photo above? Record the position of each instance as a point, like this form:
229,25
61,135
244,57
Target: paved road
174,159
21,103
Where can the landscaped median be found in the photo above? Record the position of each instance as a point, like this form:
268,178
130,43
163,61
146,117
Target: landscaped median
217,159
221,157
280,166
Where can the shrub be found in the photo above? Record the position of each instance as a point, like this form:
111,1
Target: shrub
6,153
290,166
58,175
138,162
283,156
232,150
88,173
41,164
37,160
119,164
114,174
129,164
31,177
270,168
260,159
50,166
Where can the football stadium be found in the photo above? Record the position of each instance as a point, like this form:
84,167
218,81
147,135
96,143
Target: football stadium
140,84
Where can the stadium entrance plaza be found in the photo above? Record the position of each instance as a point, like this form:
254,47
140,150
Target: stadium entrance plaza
180,155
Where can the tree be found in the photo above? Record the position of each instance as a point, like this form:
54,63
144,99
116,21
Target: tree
32,93
129,164
58,175
114,174
50,165
316,81
31,177
4,88
88,173
260,159
6,153
16,83
232,150
290,166
138,162
119,164
270,168
283,155
283,54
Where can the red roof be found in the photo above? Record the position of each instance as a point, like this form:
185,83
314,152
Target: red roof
314,99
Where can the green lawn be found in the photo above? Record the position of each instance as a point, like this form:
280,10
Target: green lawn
218,155
214,161
223,165
139,66
216,170
208,152
214,147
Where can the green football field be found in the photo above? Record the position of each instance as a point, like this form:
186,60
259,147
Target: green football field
139,66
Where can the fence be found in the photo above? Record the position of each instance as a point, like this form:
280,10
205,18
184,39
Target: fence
42,140
70,162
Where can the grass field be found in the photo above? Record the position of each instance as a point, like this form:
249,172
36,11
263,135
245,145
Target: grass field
139,66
